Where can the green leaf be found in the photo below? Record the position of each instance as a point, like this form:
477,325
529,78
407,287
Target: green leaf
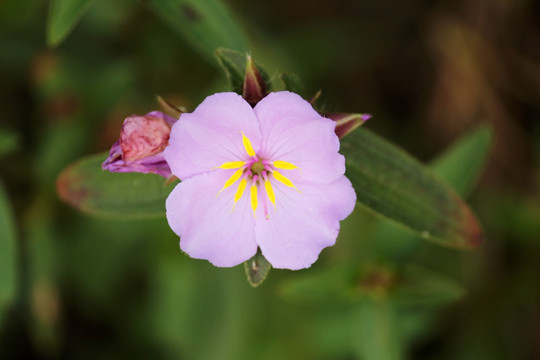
334,286
87,187
421,287
257,269
340,285
462,164
8,270
375,331
8,142
62,18
205,24
234,65
393,184
293,83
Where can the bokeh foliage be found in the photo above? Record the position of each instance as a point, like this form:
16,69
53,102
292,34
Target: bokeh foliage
430,73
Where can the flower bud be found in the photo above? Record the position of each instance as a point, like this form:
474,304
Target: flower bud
141,144
254,87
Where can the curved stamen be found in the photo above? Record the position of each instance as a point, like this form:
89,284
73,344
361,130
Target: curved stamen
283,179
270,192
247,145
237,174
256,171
239,192
254,198
280,164
231,165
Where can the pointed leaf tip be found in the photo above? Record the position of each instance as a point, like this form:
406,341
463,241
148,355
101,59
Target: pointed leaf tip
347,123
315,98
63,17
168,108
257,269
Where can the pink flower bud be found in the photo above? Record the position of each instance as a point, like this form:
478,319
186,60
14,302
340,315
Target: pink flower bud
141,144
144,136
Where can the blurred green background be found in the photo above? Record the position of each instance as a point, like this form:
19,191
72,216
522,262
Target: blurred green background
429,72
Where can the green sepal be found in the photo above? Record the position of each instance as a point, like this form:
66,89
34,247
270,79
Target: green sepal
168,108
293,83
257,269
254,87
235,63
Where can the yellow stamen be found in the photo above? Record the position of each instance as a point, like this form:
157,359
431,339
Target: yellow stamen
232,180
254,198
270,192
231,165
284,165
283,179
247,145
239,191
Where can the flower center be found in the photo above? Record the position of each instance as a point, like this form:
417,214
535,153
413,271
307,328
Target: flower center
257,167
256,172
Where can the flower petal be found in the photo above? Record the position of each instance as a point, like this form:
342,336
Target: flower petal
206,224
303,223
284,104
154,164
212,135
295,133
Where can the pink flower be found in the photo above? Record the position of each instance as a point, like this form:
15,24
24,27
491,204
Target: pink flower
141,144
268,177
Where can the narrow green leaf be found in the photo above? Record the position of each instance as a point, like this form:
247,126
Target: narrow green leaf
391,183
257,269
375,331
205,24
8,271
8,142
421,287
62,18
87,187
462,164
